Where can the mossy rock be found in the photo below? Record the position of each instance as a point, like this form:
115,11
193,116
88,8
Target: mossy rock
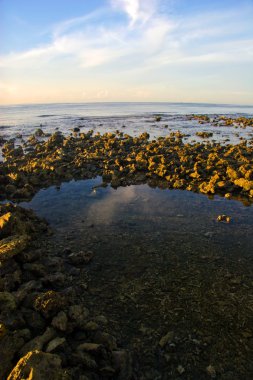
12,246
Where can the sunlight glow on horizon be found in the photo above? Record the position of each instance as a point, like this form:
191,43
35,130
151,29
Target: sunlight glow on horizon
126,50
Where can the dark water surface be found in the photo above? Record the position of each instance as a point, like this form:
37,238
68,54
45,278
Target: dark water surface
163,265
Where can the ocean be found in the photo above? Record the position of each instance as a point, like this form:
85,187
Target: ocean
132,118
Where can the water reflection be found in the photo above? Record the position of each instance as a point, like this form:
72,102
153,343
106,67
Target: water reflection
163,264
179,214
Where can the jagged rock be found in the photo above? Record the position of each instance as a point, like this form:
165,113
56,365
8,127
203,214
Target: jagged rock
12,246
90,347
38,342
91,326
49,303
224,218
57,280
13,319
36,269
36,365
122,363
81,257
7,302
54,344
166,339
39,132
10,344
26,290
106,339
84,358
34,320
78,314
60,321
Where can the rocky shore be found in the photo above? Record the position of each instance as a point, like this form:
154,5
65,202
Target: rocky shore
207,167
47,331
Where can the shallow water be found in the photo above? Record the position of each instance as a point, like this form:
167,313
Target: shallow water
131,118
163,264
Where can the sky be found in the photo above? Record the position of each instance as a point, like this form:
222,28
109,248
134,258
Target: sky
126,50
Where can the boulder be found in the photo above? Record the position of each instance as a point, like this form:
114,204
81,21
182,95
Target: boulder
49,303
60,321
37,365
13,245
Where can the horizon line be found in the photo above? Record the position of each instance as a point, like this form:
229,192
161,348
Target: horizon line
124,102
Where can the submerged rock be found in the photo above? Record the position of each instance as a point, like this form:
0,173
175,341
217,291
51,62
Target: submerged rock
224,218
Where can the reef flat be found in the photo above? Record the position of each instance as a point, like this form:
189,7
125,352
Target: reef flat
49,321
207,167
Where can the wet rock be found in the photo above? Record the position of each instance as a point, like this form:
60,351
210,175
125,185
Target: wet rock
38,270
29,256
12,246
34,320
91,326
13,320
210,370
3,330
78,314
39,132
55,343
55,280
81,257
7,302
101,319
26,289
204,134
49,303
60,321
180,369
85,359
122,363
90,347
106,339
36,365
10,344
166,339
107,371
224,218
38,342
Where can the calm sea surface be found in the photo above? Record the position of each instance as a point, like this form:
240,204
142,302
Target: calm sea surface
134,118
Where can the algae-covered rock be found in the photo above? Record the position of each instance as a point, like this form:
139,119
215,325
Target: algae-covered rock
4,222
49,303
10,343
12,246
244,183
60,321
37,365
7,302
39,341
78,315
55,343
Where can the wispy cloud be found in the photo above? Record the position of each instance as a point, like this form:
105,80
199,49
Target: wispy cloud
161,40
128,39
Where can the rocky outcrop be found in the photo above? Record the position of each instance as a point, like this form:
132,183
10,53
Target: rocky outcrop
37,365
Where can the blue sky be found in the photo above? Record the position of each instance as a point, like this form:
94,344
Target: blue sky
126,50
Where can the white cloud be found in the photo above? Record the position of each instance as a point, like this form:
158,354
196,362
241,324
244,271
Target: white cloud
90,42
101,45
136,10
